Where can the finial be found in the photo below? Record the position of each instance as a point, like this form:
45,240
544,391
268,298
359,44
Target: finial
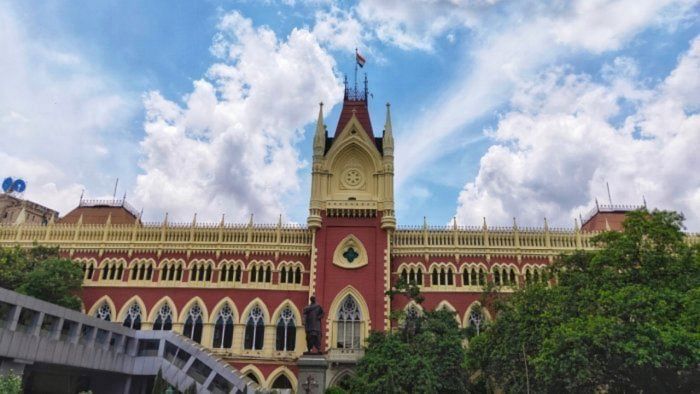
223,217
515,223
576,228
580,218
250,223
484,225
644,200
194,220
165,220
546,225
454,222
279,221
425,222
82,192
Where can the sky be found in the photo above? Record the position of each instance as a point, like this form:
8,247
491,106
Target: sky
500,109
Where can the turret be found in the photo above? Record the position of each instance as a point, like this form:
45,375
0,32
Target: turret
320,136
388,137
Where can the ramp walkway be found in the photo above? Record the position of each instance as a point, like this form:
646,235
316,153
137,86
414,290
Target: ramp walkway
35,332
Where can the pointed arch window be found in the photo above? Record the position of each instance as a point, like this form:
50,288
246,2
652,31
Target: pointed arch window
104,312
230,273
193,324
476,319
255,329
164,318
133,317
223,328
286,331
282,382
349,324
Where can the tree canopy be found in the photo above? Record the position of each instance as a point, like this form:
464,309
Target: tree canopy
622,318
425,356
40,272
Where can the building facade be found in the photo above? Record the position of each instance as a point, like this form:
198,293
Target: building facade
239,289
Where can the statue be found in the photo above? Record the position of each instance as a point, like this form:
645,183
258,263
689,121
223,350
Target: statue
312,324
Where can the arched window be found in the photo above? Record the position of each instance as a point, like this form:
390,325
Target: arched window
201,272
349,324
133,317
164,318
88,270
260,274
193,324
255,329
112,270
282,382
412,276
142,271
442,276
223,328
104,312
230,273
252,377
476,319
171,271
473,276
286,331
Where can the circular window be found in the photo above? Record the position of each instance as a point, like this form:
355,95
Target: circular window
352,177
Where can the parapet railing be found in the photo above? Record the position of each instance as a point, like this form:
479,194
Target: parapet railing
164,237
495,240
38,331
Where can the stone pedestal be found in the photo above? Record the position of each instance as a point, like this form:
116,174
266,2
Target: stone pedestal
312,374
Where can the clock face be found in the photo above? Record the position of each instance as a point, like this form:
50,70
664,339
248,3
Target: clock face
352,178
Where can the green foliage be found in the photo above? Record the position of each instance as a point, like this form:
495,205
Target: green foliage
11,383
335,390
40,272
624,318
428,358
159,384
192,389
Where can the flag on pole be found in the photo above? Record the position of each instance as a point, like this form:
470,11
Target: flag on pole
360,60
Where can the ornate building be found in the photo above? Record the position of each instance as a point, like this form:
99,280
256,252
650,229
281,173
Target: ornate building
238,289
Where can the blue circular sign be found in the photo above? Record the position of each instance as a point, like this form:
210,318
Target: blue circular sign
7,184
19,186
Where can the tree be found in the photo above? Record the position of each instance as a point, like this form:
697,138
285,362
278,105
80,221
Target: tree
622,318
424,357
40,272
10,383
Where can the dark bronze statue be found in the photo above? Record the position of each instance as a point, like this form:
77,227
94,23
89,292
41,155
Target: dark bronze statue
312,324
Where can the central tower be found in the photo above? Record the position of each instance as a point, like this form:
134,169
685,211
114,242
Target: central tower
353,171
351,214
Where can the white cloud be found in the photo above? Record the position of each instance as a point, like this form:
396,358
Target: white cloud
526,39
557,148
57,113
230,146
338,29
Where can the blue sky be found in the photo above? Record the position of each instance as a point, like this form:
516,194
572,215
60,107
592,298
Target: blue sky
500,109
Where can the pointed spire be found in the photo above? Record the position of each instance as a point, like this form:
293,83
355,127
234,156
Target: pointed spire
223,218
250,222
165,220
546,225
320,136
388,138
515,223
425,222
454,223
576,228
194,220
279,221
484,225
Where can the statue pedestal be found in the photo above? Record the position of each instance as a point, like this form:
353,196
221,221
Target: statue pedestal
312,374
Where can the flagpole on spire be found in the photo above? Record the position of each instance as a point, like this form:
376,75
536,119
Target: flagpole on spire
356,53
